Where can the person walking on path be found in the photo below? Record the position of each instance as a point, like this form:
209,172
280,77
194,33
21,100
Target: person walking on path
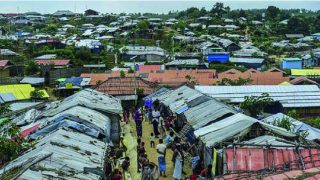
178,162
161,149
169,139
138,121
155,121
126,115
162,130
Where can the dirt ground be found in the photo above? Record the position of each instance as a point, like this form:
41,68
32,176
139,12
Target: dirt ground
152,152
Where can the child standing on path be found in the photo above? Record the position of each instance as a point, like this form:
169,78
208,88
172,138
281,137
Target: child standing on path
152,137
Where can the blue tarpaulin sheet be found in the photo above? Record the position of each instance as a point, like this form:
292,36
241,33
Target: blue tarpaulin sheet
222,58
76,81
183,109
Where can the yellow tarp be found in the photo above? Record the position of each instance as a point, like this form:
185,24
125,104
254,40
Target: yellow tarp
285,83
20,91
214,161
305,72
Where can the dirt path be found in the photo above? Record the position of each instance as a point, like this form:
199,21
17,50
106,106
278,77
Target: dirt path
152,152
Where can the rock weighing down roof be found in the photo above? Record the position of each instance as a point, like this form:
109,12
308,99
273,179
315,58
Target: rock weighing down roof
288,96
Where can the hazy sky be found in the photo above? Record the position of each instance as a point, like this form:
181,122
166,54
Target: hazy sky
132,6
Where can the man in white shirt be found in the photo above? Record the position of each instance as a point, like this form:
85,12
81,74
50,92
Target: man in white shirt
161,149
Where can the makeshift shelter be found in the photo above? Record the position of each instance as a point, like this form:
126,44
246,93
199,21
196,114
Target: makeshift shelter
213,127
32,80
73,138
126,88
304,98
234,126
297,126
17,92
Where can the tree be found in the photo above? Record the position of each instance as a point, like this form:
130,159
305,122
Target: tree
83,54
37,94
242,13
98,82
255,55
298,25
11,142
139,91
218,9
284,123
122,74
317,24
272,12
181,25
50,29
130,70
4,109
32,68
143,25
255,105
188,77
237,82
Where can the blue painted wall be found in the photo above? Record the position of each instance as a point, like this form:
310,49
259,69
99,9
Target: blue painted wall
290,64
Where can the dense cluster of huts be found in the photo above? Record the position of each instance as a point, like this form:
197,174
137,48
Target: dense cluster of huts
235,144
71,138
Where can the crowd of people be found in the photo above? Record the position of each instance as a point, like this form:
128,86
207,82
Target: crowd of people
163,139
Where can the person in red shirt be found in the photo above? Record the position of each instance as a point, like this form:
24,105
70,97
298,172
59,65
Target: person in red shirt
117,175
193,176
206,173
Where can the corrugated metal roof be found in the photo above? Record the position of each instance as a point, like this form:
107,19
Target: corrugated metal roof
157,93
256,89
48,56
65,154
22,105
7,97
268,140
232,126
206,112
288,96
178,98
88,98
89,115
32,80
55,62
246,60
297,126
